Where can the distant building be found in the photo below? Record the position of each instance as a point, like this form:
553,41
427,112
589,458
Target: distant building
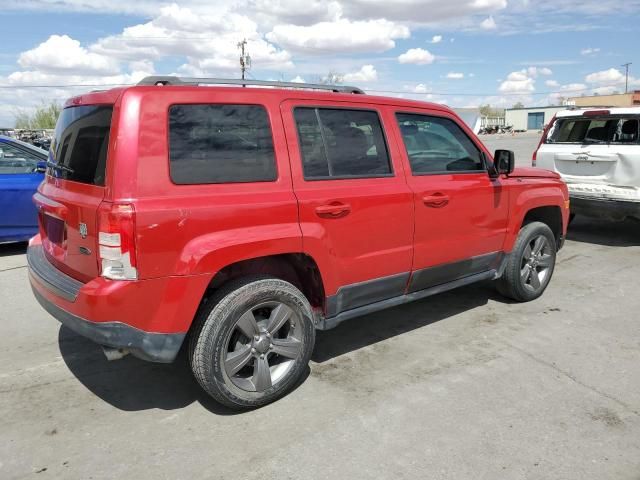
617,100
531,118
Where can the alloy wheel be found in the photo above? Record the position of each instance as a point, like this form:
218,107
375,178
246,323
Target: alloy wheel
537,261
263,346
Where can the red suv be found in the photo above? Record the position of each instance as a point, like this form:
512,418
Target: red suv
244,219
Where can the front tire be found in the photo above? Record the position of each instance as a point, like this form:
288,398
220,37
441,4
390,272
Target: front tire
252,342
530,265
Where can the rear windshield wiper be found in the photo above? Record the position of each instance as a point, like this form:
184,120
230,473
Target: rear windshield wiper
57,166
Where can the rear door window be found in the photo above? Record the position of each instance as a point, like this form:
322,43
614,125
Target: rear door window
341,143
80,144
437,145
210,143
597,130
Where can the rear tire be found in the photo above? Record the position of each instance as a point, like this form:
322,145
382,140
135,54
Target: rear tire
252,342
530,265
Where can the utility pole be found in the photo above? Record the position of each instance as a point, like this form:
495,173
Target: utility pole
626,80
245,59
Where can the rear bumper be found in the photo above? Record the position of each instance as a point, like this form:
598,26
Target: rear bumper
149,318
604,208
154,347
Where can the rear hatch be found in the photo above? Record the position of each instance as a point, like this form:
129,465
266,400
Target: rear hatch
596,153
73,189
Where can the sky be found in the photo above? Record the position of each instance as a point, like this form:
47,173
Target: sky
462,53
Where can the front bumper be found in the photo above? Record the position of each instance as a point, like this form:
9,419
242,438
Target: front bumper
599,207
106,312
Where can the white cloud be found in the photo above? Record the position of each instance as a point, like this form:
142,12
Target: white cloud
297,79
552,83
295,12
420,11
611,76
589,51
455,75
339,36
606,82
421,88
544,71
367,73
207,42
62,54
436,39
417,56
488,23
518,82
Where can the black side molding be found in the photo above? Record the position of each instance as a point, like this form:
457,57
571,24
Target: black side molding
365,293
432,276
329,323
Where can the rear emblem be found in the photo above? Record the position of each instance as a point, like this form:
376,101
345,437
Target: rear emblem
82,228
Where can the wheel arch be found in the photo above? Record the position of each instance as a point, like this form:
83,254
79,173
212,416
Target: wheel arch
538,205
299,269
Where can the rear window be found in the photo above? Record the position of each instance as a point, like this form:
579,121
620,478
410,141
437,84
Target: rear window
80,144
585,130
220,144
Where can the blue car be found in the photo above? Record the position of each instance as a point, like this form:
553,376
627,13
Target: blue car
22,168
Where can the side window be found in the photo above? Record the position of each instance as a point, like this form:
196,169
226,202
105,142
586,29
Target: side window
437,145
16,160
220,144
340,143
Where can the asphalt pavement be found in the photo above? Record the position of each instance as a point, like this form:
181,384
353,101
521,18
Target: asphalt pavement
463,385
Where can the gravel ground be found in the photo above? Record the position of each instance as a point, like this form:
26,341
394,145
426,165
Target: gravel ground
464,385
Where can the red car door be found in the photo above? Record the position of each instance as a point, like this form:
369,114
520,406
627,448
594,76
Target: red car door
355,207
460,212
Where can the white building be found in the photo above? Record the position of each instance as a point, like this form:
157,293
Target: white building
530,118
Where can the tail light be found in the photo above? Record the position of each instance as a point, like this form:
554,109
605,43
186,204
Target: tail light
535,157
116,241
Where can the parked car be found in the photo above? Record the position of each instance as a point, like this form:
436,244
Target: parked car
597,152
22,169
241,220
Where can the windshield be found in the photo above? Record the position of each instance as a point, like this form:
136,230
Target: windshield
598,130
79,146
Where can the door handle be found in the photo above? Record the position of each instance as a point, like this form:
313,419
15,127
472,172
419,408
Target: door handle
437,200
333,210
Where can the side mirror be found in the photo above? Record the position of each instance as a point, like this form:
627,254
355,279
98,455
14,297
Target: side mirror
504,160
41,167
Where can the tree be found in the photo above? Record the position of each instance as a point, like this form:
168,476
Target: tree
518,105
44,116
486,110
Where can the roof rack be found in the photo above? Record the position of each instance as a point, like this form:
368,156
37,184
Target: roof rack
170,80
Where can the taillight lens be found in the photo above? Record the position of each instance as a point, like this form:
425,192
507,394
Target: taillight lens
117,241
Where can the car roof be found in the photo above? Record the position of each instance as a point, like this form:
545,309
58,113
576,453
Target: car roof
112,95
576,112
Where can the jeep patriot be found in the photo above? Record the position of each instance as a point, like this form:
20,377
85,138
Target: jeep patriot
237,221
